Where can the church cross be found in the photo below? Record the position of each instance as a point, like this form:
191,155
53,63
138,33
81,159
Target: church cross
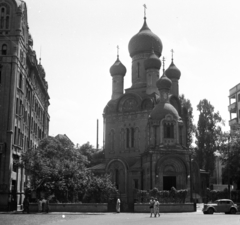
117,51
145,7
172,54
163,60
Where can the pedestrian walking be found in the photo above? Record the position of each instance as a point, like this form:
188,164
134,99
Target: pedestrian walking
151,203
40,205
47,205
25,205
156,208
118,205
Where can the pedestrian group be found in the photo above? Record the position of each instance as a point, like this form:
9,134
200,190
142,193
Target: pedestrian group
154,207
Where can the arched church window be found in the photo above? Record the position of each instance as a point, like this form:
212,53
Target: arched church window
130,105
127,137
112,140
130,137
180,136
117,178
122,138
4,49
138,69
168,130
4,16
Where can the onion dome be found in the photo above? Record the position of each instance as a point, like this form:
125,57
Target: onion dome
118,68
162,109
164,83
143,41
153,62
173,72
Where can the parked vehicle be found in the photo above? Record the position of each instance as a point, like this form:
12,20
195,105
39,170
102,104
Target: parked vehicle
221,205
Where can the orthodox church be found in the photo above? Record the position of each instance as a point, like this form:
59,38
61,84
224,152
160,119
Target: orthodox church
145,127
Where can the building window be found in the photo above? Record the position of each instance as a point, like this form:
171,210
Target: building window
180,136
135,183
117,178
20,81
15,163
130,137
239,97
17,106
15,135
112,134
168,130
4,16
4,49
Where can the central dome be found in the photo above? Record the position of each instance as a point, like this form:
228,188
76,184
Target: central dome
143,42
162,109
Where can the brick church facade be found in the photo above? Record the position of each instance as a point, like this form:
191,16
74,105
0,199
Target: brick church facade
145,127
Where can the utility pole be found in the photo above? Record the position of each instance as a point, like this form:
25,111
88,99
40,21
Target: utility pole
228,164
97,136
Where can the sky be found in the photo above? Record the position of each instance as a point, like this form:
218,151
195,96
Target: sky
78,39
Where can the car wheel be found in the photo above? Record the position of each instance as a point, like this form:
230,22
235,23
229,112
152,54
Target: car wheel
205,213
233,211
210,211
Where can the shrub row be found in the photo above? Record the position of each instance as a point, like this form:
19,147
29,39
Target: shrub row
172,196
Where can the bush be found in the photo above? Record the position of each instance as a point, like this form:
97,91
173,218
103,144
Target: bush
172,196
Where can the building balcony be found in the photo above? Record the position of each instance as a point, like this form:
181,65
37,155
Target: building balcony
234,90
233,122
232,108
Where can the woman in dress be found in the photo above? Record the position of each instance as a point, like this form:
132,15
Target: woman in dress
118,205
156,207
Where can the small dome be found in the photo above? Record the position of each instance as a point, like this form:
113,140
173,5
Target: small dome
173,72
42,71
162,109
118,68
143,41
164,83
153,62
30,40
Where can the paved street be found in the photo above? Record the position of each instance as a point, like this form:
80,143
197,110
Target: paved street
117,219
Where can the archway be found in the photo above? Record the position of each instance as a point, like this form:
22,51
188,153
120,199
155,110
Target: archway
171,171
118,172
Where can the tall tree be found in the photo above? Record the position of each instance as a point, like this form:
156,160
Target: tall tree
56,167
188,112
229,148
94,156
207,132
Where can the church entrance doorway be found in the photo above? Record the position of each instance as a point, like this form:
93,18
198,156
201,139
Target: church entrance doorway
169,182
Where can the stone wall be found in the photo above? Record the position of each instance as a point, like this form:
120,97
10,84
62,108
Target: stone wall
73,207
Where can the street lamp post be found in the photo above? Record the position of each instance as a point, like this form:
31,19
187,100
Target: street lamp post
190,161
228,159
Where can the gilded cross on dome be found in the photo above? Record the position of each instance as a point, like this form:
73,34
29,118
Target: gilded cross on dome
163,60
117,51
145,7
172,54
